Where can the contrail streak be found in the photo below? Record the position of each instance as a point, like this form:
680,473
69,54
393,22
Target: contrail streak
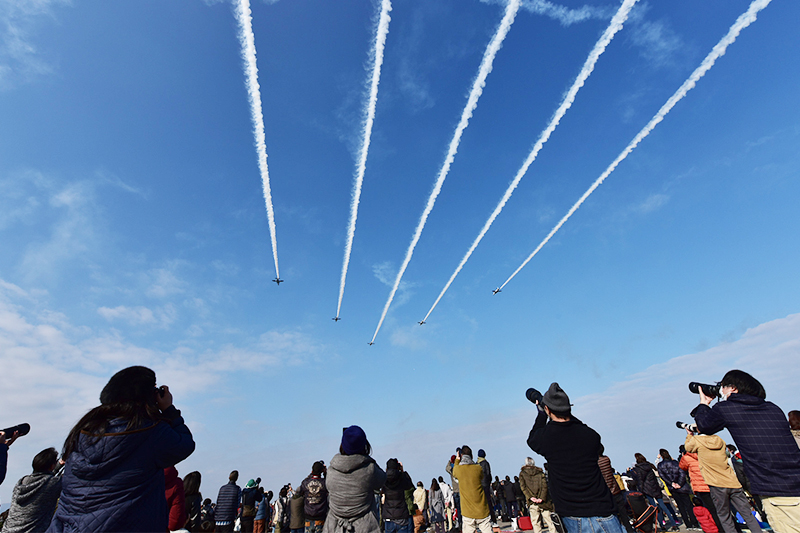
369,112
248,41
744,20
472,102
600,47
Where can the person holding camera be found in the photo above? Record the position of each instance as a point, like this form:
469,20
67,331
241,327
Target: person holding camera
396,515
116,455
5,442
580,494
761,431
251,495
35,496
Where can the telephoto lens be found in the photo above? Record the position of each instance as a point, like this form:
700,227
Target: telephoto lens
709,390
23,430
533,395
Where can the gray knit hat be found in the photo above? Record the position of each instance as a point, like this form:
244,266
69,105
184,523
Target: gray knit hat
556,399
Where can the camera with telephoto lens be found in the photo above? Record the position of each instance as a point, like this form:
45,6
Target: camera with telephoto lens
689,427
22,429
712,391
533,395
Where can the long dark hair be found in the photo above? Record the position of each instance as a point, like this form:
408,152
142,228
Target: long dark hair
95,422
191,483
434,485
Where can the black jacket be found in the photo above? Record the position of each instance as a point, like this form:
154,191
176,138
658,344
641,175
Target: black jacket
645,480
575,482
394,492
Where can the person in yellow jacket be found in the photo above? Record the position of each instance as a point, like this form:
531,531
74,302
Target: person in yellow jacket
474,502
721,479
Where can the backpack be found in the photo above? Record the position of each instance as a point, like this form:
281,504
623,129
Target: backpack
645,515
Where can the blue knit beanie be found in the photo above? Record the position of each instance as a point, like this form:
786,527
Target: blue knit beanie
354,441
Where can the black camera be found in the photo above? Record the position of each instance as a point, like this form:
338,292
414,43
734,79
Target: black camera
684,425
533,395
711,391
23,430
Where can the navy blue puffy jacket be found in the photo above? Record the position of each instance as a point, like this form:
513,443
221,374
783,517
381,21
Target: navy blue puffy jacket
116,482
227,508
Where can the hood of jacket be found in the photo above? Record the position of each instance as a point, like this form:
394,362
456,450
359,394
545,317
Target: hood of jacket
394,478
350,463
712,442
532,470
29,486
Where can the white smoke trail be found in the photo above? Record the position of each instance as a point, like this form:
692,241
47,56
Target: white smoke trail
615,25
472,102
377,47
248,41
744,20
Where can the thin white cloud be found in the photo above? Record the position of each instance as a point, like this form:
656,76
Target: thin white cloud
140,315
385,273
659,44
566,16
652,203
20,20
53,371
164,282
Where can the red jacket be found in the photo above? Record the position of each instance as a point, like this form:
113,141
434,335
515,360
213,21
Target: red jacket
175,499
703,516
690,463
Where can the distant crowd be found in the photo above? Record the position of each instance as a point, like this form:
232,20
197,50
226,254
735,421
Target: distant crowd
116,472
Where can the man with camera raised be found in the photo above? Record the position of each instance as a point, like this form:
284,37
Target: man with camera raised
761,431
579,492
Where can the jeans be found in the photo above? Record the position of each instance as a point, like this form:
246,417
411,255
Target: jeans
592,524
314,526
658,502
392,527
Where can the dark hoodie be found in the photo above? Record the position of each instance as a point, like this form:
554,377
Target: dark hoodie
33,503
116,482
394,490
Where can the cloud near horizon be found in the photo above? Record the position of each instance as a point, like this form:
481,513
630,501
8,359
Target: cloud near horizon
53,371
637,414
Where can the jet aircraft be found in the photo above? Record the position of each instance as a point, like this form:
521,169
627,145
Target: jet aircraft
336,319
421,322
278,281
496,290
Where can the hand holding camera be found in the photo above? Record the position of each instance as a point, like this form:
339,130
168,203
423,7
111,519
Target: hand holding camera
163,398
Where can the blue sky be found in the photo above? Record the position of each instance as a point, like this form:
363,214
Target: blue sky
133,228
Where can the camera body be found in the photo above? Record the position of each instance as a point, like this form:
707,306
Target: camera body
712,391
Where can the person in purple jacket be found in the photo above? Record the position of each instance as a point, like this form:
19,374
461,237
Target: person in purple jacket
760,429
115,458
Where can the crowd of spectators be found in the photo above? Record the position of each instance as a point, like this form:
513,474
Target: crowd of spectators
117,473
